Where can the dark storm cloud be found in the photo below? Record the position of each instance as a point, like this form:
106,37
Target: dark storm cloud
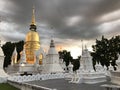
53,13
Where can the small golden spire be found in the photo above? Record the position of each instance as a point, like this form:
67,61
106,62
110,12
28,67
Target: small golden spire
33,17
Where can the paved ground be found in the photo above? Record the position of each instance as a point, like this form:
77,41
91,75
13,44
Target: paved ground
61,84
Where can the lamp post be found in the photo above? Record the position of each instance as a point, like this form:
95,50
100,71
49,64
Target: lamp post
22,65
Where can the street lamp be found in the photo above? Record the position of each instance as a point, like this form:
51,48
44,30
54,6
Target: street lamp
22,65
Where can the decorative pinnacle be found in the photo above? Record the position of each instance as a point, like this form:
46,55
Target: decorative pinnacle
33,23
52,43
33,17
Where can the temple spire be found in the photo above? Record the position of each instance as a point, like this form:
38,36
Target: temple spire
33,22
33,17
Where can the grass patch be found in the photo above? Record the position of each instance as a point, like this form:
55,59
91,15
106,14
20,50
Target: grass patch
6,86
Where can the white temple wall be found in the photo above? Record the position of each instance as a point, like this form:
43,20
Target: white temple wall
52,59
26,68
115,77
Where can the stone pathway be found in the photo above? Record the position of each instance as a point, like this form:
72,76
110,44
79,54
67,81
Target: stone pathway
61,84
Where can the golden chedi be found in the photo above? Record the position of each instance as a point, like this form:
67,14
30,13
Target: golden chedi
32,42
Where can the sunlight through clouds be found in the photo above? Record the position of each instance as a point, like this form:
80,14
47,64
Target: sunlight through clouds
110,16
71,21
109,26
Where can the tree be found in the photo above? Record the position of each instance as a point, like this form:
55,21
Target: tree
76,64
19,46
106,51
8,49
66,56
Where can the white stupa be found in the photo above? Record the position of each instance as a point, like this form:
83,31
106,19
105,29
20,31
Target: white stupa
3,75
86,61
52,61
14,57
86,73
23,57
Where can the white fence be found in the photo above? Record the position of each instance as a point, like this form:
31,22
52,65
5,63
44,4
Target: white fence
36,77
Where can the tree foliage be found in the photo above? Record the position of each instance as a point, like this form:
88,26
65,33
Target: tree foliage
19,46
76,64
106,51
8,49
66,56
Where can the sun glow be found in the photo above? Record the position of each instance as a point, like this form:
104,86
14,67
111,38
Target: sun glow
76,47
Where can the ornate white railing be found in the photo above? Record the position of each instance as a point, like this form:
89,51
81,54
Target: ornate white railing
36,77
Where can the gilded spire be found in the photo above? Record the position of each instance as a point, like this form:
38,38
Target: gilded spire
33,17
33,23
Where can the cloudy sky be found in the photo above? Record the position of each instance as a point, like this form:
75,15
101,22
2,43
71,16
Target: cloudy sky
68,21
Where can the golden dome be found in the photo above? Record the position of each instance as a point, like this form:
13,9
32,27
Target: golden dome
32,36
32,44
